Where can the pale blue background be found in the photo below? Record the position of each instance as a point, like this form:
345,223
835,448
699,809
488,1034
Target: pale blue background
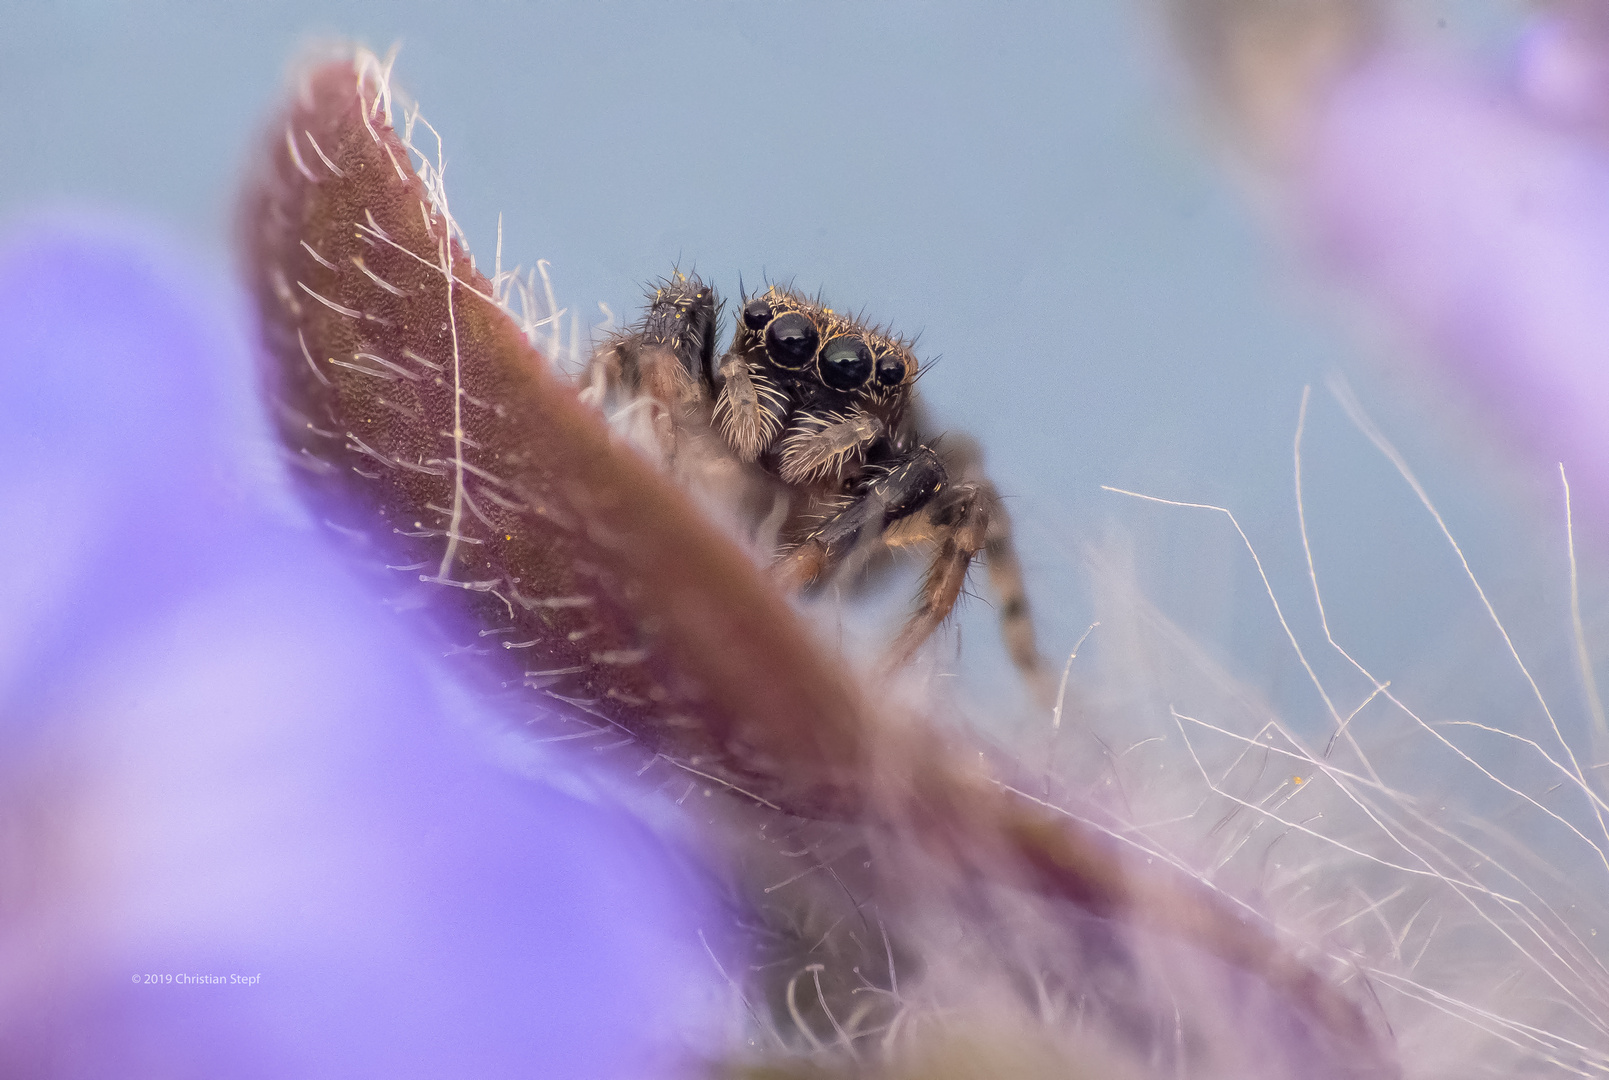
1024,185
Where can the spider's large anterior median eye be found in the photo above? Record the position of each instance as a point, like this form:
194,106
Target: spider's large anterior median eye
890,369
846,363
756,313
791,340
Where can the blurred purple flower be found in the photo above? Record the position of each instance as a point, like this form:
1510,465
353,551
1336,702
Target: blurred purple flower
1479,216
1562,67
220,757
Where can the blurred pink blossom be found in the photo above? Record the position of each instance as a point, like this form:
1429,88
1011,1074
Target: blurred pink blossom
1477,214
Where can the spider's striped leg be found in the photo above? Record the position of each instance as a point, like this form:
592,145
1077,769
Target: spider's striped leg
907,484
960,521
1005,581
964,458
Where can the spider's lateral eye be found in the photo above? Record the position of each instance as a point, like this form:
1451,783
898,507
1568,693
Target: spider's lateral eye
846,363
890,369
791,340
756,313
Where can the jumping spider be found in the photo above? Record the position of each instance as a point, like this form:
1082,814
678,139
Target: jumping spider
818,412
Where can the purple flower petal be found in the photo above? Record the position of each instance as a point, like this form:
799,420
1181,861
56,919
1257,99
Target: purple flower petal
220,757
1486,231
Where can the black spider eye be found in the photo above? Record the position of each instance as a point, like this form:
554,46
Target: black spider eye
756,313
890,369
846,363
791,340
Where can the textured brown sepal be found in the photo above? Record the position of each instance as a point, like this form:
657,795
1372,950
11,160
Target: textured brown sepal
428,423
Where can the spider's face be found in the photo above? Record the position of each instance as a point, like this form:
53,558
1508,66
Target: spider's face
833,383
822,352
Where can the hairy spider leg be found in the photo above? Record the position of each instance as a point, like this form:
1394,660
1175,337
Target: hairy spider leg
957,516
668,355
964,458
1005,581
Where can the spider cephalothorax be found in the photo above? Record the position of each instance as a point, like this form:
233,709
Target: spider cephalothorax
810,388
823,405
